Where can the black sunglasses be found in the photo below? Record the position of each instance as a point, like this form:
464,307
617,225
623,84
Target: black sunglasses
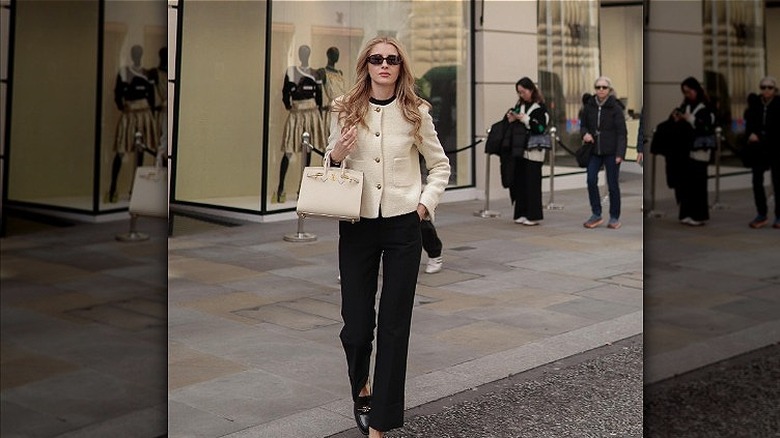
767,87
601,87
378,59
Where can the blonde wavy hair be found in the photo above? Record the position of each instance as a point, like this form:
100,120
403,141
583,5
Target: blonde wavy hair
353,107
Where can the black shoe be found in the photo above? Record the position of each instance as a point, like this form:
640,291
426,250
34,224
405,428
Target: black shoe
362,408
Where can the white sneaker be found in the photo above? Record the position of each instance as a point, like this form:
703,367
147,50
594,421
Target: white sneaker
690,221
434,265
525,221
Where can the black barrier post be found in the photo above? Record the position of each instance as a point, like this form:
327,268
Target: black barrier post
301,235
717,205
486,212
652,213
554,137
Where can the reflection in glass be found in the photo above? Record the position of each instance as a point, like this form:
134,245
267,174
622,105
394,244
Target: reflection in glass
733,58
568,59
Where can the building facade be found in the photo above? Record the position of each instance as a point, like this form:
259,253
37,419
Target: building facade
223,64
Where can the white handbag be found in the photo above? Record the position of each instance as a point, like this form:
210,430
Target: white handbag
150,192
333,192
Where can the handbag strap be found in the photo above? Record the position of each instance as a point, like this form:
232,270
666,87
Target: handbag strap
327,161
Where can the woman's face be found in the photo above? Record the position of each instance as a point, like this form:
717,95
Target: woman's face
384,73
524,93
767,90
602,89
689,93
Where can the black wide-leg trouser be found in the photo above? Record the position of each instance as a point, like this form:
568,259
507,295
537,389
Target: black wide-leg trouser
693,191
397,242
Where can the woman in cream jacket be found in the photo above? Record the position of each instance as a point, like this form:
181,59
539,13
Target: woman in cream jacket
380,127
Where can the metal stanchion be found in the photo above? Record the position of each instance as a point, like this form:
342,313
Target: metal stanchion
653,213
301,235
133,235
717,205
554,137
486,212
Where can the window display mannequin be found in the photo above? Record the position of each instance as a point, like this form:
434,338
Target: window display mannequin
333,85
134,96
159,77
302,96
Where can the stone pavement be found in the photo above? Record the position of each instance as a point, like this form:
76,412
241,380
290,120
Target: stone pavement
83,331
254,320
711,292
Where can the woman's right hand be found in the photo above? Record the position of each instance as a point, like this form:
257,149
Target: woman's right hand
346,143
753,138
587,138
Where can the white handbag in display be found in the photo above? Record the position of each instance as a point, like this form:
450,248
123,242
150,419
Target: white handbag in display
150,192
333,192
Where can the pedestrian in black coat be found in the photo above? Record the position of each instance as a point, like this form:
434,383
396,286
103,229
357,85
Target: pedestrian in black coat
529,117
603,123
762,152
695,120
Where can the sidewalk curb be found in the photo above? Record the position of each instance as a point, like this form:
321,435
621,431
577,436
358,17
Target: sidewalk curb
673,363
336,416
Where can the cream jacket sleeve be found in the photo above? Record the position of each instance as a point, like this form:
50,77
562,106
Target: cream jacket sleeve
387,154
436,162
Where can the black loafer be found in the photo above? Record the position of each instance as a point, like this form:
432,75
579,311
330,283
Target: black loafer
362,408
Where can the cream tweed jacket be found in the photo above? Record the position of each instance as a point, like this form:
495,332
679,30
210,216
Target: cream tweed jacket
387,155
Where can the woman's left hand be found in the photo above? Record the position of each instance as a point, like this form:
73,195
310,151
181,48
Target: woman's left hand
618,160
346,143
422,211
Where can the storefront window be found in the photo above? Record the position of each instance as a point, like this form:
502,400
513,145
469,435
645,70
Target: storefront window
51,148
734,59
70,128
568,59
134,95
312,45
218,147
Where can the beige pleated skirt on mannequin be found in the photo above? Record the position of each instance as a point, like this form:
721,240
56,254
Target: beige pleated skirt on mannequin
136,116
304,116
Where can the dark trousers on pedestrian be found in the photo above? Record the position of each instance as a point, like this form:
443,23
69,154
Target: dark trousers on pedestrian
528,189
613,172
397,242
759,193
693,191
430,239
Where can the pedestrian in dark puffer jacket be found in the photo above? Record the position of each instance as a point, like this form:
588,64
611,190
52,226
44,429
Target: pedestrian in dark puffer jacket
762,152
603,123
